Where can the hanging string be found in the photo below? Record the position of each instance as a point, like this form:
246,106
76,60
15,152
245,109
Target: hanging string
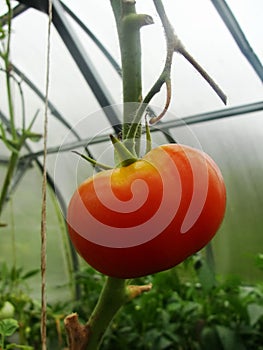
44,195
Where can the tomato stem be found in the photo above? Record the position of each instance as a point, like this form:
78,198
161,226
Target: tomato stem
112,297
129,24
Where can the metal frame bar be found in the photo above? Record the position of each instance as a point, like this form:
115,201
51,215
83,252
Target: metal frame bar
193,119
81,58
238,35
51,107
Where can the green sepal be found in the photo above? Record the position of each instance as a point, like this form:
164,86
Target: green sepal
124,156
93,161
32,136
148,137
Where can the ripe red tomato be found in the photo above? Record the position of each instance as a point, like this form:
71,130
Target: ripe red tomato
149,216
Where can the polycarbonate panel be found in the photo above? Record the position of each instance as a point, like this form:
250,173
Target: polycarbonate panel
235,143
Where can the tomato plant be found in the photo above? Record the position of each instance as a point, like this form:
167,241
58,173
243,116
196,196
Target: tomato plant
148,216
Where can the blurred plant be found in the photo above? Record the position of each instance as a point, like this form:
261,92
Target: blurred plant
188,308
13,136
7,328
203,312
17,305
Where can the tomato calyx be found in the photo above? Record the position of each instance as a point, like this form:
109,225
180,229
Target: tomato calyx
93,161
123,156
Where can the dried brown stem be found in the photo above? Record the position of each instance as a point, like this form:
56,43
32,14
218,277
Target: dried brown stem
155,119
203,73
78,334
114,295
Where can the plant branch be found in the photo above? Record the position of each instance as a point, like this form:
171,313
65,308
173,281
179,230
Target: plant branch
173,45
204,74
9,174
114,295
5,56
115,292
129,24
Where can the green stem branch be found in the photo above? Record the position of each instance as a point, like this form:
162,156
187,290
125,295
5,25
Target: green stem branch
8,178
173,45
129,24
8,69
114,295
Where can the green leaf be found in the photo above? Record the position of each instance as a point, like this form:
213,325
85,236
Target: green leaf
33,136
209,339
7,310
255,312
30,274
164,343
2,33
33,121
205,274
8,326
259,261
229,339
16,346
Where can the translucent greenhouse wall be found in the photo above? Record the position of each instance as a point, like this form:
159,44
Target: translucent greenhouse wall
235,142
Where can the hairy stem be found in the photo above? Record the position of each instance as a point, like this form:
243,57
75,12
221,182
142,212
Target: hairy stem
112,297
89,336
129,24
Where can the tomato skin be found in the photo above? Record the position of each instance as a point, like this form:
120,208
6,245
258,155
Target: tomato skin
185,188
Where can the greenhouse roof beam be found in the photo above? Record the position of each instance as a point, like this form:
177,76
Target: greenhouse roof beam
238,35
54,111
81,58
52,108
222,113
194,119
93,37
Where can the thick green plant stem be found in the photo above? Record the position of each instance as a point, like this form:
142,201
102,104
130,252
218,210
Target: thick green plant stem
14,155
89,336
8,178
115,293
129,24
112,297
7,69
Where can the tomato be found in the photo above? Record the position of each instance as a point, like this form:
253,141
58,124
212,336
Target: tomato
150,215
